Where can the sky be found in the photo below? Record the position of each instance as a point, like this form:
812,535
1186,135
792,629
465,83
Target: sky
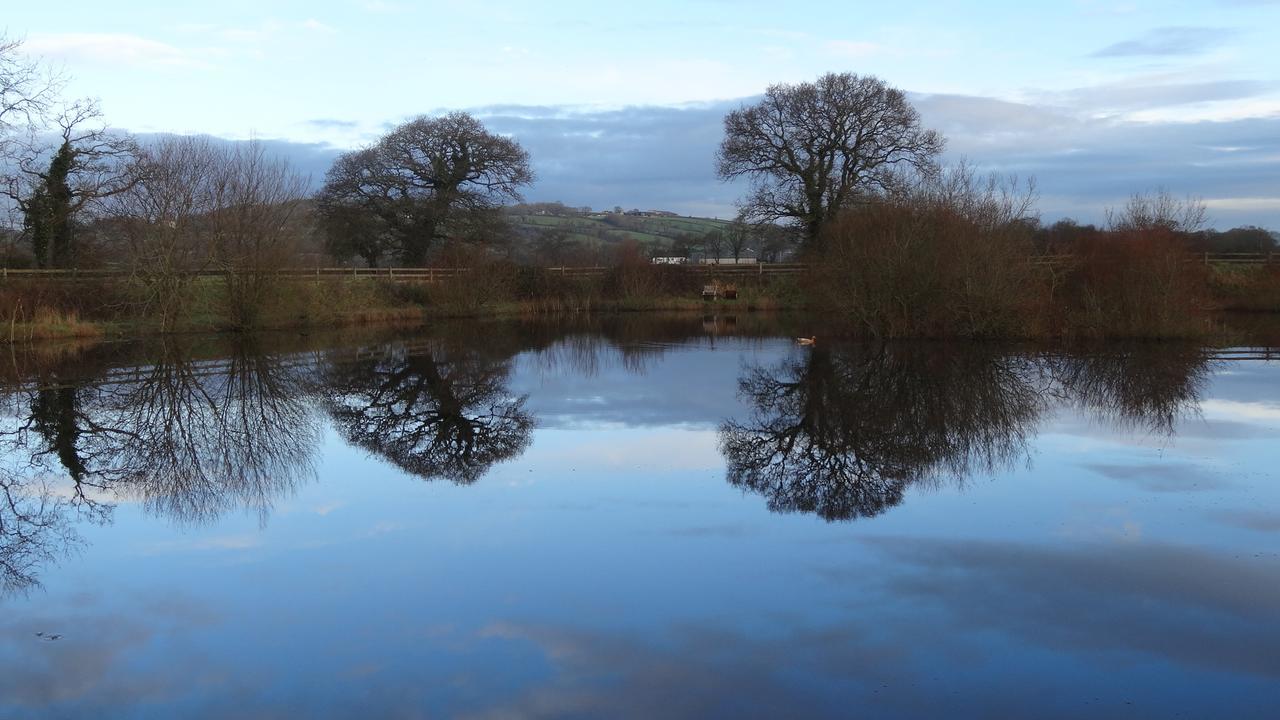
622,105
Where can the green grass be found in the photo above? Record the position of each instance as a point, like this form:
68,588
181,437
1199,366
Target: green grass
648,230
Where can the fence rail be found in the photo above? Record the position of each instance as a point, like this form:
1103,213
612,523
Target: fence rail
431,274
428,274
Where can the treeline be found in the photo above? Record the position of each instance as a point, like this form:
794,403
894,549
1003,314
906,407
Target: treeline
902,246
841,174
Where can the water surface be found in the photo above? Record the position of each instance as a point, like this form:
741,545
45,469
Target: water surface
638,517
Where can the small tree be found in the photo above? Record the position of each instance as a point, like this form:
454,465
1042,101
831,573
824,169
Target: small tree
737,235
713,244
200,206
55,189
1158,211
810,149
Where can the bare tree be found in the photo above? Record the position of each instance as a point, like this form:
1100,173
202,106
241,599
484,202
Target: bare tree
56,186
736,236
200,206
713,244
812,148
1159,210
255,228
26,90
425,181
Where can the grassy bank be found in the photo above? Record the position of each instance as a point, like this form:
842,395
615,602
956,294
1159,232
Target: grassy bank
44,309
1132,291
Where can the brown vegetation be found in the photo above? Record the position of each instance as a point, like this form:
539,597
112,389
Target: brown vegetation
953,256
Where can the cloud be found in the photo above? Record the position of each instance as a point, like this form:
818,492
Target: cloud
849,49
1257,520
332,123
1085,163
1184,605
311,160
1161,477
1151,93
318,27
929,632
112,49
1169,41
652,157
1085,157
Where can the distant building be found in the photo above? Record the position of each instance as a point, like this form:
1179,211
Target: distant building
670,260
729,261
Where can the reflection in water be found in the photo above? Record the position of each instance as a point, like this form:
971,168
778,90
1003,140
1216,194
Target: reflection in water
35,528
193,440
188,439
842,432
1144,387
434,411
839,430
55,417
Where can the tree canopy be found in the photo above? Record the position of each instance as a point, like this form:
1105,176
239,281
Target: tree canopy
811,148
427,180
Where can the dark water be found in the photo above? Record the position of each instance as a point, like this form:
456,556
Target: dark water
642,517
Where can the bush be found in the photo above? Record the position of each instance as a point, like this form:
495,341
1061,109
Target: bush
1139,282
946,257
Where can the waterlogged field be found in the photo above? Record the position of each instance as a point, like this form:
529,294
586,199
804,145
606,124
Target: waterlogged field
639,517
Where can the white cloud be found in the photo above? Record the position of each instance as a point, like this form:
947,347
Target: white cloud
1270,204
315,25
111,48
1241,411
852,48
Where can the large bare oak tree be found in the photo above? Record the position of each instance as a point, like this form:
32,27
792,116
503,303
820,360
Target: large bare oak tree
420,183
811,148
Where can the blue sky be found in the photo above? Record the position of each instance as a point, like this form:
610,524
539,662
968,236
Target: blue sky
621,105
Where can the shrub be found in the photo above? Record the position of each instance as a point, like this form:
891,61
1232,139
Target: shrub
944,257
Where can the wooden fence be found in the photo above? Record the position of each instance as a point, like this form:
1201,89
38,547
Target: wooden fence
426,274
430,274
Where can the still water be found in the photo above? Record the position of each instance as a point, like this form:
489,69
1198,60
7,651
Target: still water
638,517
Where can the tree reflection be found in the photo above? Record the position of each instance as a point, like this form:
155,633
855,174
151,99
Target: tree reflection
432,410
35,528
1143,386
193,440
842,432
189,439
56,418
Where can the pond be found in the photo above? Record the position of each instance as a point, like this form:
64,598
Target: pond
638,516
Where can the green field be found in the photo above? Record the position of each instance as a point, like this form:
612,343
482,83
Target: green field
656,230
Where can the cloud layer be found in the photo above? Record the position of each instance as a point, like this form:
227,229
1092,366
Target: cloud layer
1084,157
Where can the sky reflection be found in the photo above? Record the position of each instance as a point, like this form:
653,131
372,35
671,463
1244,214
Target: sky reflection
641,518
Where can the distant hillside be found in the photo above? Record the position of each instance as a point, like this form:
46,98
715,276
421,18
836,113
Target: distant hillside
579,225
